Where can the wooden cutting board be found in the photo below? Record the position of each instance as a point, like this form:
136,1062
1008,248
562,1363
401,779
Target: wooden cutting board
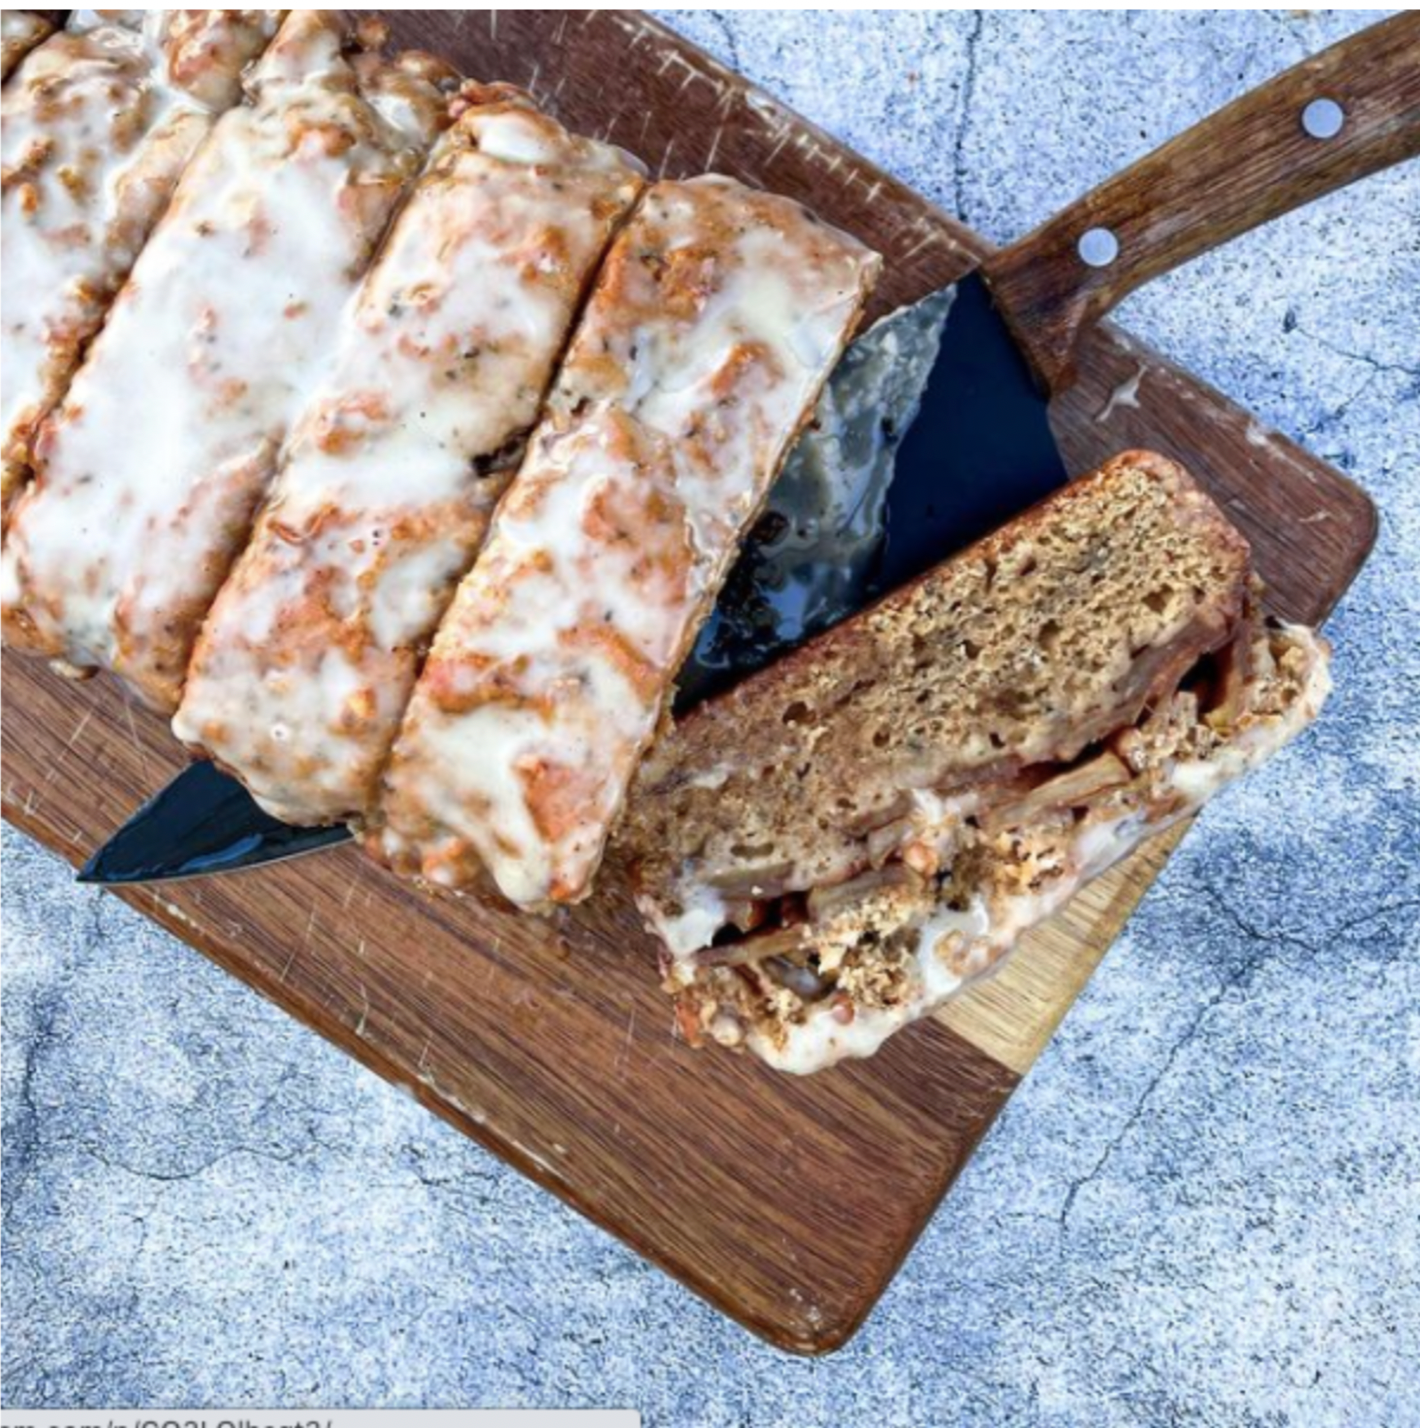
789,1204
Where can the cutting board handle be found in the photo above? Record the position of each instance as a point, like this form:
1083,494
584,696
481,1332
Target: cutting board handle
1333,119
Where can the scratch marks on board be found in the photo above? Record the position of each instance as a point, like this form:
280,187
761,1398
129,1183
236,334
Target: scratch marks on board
162,906
928,235
714,149
780,143
304,943
768,108
731,95
533,1158
636,29
56,766
624,1055
79,729
133,735
1126,394
1258,435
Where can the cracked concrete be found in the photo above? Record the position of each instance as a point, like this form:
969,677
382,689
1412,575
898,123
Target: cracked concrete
963,125
1203,1205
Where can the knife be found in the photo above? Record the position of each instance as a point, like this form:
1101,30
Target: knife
976,447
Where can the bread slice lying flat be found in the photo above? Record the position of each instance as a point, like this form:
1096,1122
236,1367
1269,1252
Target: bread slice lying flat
846,840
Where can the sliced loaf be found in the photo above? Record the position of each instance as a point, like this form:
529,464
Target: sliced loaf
848,838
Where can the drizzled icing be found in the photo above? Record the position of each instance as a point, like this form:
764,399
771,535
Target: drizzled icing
116,553
20,32
716,320
949,950
384,496
98,125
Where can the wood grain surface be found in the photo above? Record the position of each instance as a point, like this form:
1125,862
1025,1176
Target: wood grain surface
787,1203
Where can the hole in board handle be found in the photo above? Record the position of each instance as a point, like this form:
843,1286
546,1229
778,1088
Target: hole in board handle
1323,118
1098,248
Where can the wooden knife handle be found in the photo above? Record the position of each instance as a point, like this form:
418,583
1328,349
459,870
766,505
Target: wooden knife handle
1261,156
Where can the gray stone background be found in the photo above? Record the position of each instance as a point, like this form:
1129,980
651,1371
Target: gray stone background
1202,1207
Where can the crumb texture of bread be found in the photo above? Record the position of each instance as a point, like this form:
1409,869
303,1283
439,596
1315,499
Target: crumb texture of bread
946,769
1025,647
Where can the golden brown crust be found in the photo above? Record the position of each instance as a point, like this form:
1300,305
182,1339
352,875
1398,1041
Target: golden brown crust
98,125
23,30
118,548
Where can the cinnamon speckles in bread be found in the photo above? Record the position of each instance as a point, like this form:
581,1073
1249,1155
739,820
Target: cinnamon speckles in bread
842,842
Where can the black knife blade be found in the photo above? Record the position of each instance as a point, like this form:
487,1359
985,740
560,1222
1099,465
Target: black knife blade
972,447
203,822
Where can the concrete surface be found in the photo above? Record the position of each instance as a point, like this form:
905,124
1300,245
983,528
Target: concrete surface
1202,1207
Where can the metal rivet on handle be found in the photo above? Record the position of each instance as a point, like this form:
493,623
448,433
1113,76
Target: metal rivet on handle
1323,118
1099,247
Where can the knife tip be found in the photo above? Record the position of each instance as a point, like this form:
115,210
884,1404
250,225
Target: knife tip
92,872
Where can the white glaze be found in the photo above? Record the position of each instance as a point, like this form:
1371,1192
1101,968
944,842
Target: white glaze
703,912
97,127
20,32
311,649
718,318
979,938
227,318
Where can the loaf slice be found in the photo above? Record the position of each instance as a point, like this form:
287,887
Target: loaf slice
844,841
99,124
124,536
716,319
392,472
